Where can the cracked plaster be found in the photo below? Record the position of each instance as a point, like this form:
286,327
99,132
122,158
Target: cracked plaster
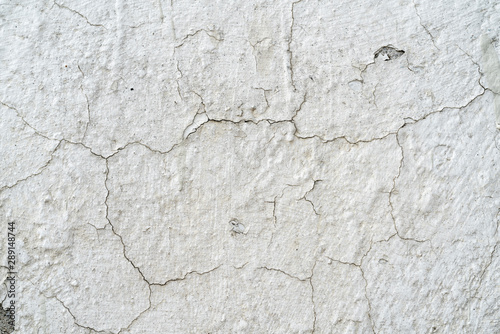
252,167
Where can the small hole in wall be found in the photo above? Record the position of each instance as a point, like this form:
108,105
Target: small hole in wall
388,53
131,89
236,226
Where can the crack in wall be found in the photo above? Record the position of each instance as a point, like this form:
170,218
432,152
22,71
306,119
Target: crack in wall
296,112
312,298
275,217
193,125
206,31
289,49
79,14
26,122
40,170
308,200
306,279
264,92
393,190
177,79
219,38
344,138
274,208
255,52
372,322
140,314
88,105
114,232
270,121
285,273
481,74
124,246
483,272
68,310
186,275
113,228
425,28
89,120
359,266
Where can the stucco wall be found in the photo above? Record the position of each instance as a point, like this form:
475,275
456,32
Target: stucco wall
250,166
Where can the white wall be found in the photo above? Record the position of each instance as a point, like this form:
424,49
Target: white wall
251,166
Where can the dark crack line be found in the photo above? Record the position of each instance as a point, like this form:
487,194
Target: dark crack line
26,122
481,74
344,138
307,279
425,28
40,170
492,254
210,120
345,263
74,318
312,298
140,314
372,322
188,36
275,222
308,200
254,52
363,69
188,274
264,92
296,112
177,79
124,248
79,14
202,102
88,121
285,273
269,121
37,132
240,267
359,266
68,310
289,49
414,121
88,105
393,189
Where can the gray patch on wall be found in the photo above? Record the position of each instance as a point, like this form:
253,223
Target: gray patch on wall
5,327
491,69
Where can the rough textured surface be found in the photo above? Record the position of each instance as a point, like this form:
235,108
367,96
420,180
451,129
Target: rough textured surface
251,167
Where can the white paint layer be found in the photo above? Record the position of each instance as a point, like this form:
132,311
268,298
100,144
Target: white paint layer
250,166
